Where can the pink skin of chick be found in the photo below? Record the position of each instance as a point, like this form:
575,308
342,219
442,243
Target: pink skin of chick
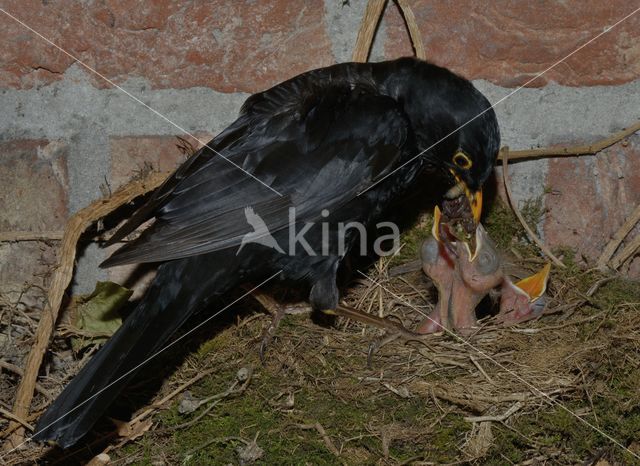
463,279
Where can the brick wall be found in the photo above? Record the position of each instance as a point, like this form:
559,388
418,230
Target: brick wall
65,131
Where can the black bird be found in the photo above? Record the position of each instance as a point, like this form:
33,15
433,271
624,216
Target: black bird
338,144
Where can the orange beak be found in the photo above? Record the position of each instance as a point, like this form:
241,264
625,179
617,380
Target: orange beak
474,198
535,285
437,215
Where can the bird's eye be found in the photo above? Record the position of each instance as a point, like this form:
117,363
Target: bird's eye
462,160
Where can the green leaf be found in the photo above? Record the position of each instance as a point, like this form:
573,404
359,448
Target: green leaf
97,316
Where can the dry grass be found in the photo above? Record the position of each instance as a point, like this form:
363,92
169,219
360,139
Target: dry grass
503,396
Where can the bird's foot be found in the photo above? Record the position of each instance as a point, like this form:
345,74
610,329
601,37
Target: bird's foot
369,319
432,323
277,311
394,329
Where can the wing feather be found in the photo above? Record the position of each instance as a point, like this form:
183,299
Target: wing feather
319,154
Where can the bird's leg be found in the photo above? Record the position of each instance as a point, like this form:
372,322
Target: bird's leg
277,311
370,319
394,330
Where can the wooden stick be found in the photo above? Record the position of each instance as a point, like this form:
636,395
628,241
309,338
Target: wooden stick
367,30
414,30
627,252
505,178
15,418
323,434
500,418
10,236
59,283
582,149
18,371
620,235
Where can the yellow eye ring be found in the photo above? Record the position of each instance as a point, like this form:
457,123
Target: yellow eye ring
462,160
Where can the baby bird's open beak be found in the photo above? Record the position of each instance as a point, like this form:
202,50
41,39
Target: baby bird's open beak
525,299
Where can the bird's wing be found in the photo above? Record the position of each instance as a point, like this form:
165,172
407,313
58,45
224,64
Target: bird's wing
317,149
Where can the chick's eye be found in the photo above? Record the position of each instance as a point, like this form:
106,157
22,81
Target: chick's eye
462,160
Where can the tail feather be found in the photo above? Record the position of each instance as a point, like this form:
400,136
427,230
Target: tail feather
175,294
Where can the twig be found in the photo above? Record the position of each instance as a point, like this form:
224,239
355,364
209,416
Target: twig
583,149
15,418
214,440
16,370
505,178
596,286
215,399
627,252
620,235
482,371
171,395
32,417
367,30
500,418
414,31
412,266
323,433
10,236
60,281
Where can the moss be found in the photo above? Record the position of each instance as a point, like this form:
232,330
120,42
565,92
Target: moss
411,240
502,225
558,430
354,415
533,210
616,292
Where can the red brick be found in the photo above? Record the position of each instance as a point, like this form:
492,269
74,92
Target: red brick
227,46
509,42
131,155
592,196
33,185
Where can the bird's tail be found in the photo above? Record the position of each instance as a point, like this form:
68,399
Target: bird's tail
177,291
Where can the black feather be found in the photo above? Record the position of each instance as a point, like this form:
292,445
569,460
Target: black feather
342,138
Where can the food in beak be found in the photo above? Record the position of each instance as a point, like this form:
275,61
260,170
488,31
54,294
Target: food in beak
458,218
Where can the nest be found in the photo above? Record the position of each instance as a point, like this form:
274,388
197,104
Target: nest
523,394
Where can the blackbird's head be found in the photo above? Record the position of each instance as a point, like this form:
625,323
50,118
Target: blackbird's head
454,126
470,159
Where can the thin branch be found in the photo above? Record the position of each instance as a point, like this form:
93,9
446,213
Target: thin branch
627,252
367,30
18,371
500,418
414,30
620,235
10,236
323,433
582,149
15,418
76,225
504,152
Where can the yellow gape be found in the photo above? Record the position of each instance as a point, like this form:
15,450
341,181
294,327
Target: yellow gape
535,285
